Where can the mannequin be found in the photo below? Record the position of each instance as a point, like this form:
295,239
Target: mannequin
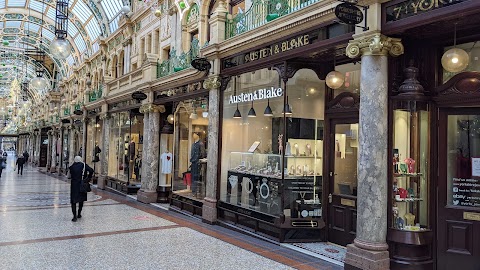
138,167
197,153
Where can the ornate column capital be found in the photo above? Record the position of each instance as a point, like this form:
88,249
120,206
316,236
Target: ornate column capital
374,43
213,82
104,116
148,108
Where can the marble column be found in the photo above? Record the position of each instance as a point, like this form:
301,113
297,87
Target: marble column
53,151
62,133
370,250
83,145
148,191
49,149
209,210
104,144
72,139
38,141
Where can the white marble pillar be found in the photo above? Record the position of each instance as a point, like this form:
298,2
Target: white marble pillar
72,137
53,152
83,144
49,148
104,144
62,133
38,141
209,210
370,250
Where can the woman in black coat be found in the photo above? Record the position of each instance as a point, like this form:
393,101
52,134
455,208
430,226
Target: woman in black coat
76,179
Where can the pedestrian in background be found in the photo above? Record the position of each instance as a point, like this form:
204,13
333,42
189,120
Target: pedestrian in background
3,164
78,171
20,162
26,155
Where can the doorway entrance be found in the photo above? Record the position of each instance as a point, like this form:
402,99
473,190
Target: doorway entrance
342,175
458,221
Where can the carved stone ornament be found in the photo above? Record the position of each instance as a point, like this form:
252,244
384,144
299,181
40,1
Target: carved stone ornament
212,83
104,116
374,44
148,108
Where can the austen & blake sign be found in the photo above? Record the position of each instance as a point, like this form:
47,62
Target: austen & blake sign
410,8
273,49
256,95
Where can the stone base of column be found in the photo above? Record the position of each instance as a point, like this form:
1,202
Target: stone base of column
163,193
101,181
147,196
359,258
53,169
209,211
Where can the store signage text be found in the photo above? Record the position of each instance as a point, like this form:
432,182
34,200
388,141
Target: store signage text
348,13
281,47
466,192
414,7
256,95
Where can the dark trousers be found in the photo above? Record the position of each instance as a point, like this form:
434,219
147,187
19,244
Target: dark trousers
20,169
74,208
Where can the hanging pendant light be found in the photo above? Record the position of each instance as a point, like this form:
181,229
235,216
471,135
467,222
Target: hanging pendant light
268,110
334,78
237,114
455,59
251,112
287,110
194,114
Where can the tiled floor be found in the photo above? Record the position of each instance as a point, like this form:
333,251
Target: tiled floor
116,232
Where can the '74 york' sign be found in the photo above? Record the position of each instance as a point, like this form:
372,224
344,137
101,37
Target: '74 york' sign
410,8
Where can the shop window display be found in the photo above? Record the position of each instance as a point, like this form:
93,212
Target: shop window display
351,73
273,144
126,146
93,136
190,149
411,177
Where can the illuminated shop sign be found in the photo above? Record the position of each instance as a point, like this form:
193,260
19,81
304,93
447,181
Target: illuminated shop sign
256,95
410,8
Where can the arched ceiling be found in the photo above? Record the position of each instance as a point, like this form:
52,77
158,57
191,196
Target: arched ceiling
21,24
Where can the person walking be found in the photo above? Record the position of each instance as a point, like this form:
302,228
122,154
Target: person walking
26,155
20,162
78,172
3,164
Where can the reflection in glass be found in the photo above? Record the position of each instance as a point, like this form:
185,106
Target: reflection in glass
463,150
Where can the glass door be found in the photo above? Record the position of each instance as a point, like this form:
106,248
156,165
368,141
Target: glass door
342,197
458,218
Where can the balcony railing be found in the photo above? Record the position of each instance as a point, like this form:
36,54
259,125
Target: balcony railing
178,62
95,94
262,12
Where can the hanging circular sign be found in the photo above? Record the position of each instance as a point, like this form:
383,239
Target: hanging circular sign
138,95
201,64
348,13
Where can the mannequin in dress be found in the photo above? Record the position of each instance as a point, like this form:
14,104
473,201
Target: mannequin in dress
197,153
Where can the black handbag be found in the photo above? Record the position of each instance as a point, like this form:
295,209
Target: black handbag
84,185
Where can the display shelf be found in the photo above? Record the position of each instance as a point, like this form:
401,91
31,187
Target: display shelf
409,200
407,174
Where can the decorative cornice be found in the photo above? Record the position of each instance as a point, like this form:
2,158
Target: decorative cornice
148,108
213,82
374,44
104,116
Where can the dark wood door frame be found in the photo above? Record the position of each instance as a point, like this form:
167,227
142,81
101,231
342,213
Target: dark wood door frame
342,109
450,224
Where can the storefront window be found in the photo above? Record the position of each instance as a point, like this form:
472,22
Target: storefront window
351,73
126,146
463,164
93,137
190,148
254,157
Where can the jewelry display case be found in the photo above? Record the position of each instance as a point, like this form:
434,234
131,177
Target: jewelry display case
410,234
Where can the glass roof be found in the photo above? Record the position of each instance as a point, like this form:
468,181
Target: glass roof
87,18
